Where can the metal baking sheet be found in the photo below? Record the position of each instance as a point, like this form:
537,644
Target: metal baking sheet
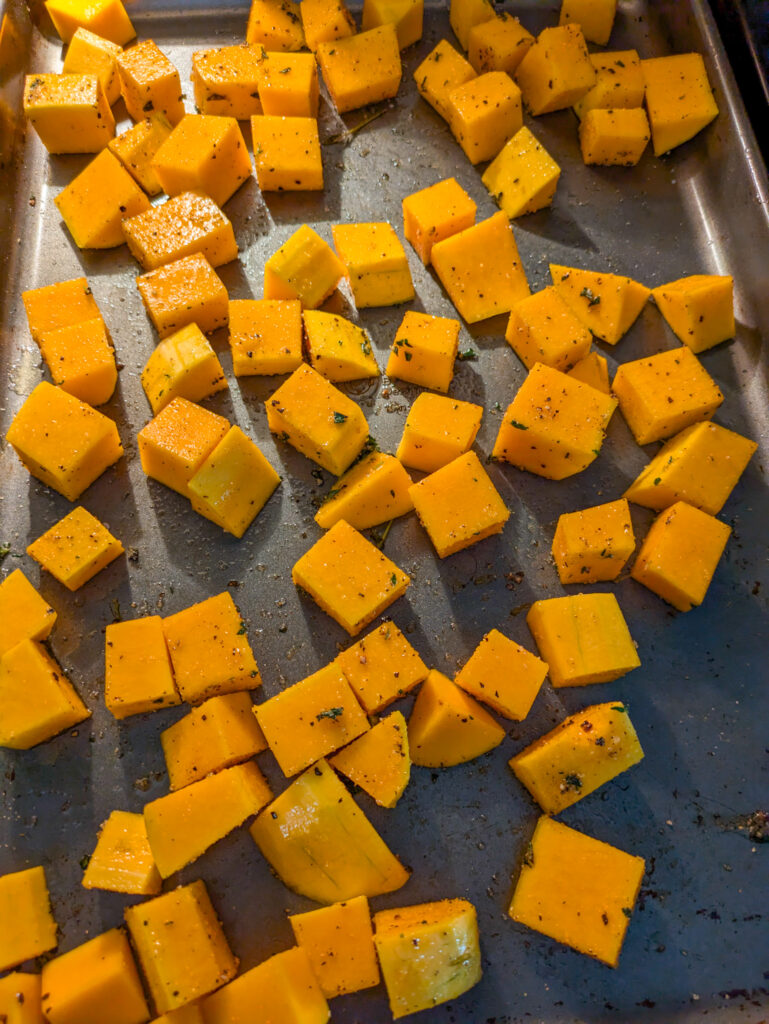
697,946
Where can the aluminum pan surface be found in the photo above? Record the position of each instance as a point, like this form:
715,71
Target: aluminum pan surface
697,944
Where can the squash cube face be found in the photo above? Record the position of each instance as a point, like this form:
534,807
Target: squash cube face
700,466
592,370
29,929
619,83
379,761
206,154
265,336
464,14
75,549
435,213
447,727
613,138
81,360
428,953
321,844
226,81
503,675
557,71
680,554
442,71
122,861
348,578
581,754
317,419
94,982
339,942
375,264
663,394
555,425
577,890
485,113
24,613
584,639
20,998
138,673
374,491
523,177
186,291
150,83
218,734
175,444
136,147
63,442
607,304
233,484
593,546
287,153
437,431
499,44
107,18
698,309
305,267
184,225
288,85
382,667
209,649
542,329
95,203
311,719
481,270
89,54
183,825
181,946
275,25
679,99
424,350
406,15
182,366
324,21
362,69
63,304
594,17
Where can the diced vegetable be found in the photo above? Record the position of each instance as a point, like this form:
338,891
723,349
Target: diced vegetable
184,292
375,264
287,153
424,350
382,667
542,329
523,176
363,68
611,138
69,112
204,153
265,336
607,304
594,17
379,760
81,360
75,549
503,675
150,83
556,71
339,942
122,860
594,544
442,70
374,491
437,431
305,267
138,673
699,309
24,613
485,113
447,727
95,203
175,444
435,213
29,929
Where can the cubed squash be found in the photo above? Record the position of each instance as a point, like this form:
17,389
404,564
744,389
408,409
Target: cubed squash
679,99
89,54
424,350
136,147
63,304
324,21
107,18
24,613
184,225
287,153
435,213
594,544
29,929
288,84
378,761
69,112
503,675
442,70
82,360
75,549
96,202
275,24
138,674
20,998
375,490
556,71
698,309
463,14
382,667
375,264
447,726
150,83
523,176
226,80
339,942
406,15
594,17
305,267
122,860
543,329
204,153
437,431
613,138
619,82
175,444
186,291
592,370
182,366
338,348
485,113
265,336
499,44
363,68
607,304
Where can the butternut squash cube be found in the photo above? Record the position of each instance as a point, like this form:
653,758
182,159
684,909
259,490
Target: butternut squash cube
435,213
62,441
503,675
122,860
375,264
209,649
181,946
481,270
663,394
555,425
613,138
607,304
592,370
136,147
94,982
577,890
350,579
81,360
317,419
105,18
305,267
698,309
320,843
339,942
287,154
175,444
700,466
619,83
20,999
183,825
310,719
186,291
324,21
543,329
424,350
75,549
362,69
288,85
218,734
428,953
70,113
96,202
374,491
406,15
283,988
29,929
448,727
382,667
184,225
204,153
442,70
594,17
63,304
463,14
233,484
437,431
584,639
182,366
89,54
226,80
499,44
523,177
557,71
265,336
138,674
585,751
150,83
24,613
680,554
679,99
485,113
275,24
593,545
379,761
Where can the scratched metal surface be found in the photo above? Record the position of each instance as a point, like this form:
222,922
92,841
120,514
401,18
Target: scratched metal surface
697,945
